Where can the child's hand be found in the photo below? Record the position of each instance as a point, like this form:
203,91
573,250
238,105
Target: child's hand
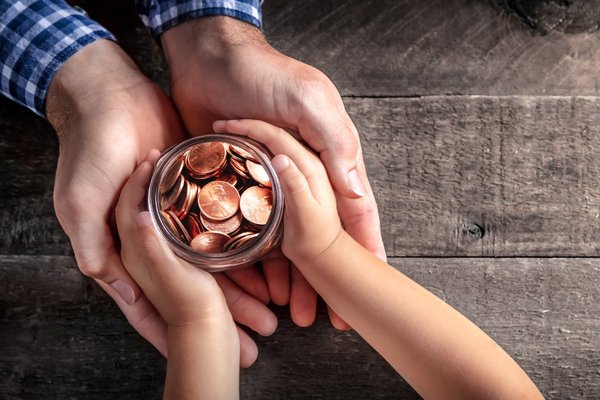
181,293
311,222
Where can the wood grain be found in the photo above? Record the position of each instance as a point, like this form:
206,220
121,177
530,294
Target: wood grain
407,48
484,176
453,175
63,338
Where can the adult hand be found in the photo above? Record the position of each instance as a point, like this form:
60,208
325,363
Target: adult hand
222,68
108,116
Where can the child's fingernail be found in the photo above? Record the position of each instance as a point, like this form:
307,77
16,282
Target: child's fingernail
125,291
143,219
280,162
355,183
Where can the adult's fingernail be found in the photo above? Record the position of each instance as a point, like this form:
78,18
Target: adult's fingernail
355,183
269,325
125,291
280,162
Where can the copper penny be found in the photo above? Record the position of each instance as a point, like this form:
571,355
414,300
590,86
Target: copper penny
186,199
218,200
171,175
205,159
170,223
209,242
239,167
256,203
242,152
239,240
227,226
230,178
192,225
183,233
258,173
168,199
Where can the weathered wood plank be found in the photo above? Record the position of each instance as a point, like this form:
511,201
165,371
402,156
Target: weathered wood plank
484,176
474,176
62,337
404,48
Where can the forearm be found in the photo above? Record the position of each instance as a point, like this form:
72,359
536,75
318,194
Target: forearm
98,72
48,33
203,361
218,39
437,350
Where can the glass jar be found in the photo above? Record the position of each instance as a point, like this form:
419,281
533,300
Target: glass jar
196,211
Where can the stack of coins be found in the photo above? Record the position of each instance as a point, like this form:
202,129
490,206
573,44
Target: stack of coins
216,197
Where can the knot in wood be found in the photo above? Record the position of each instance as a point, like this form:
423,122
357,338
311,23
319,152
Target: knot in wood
473,230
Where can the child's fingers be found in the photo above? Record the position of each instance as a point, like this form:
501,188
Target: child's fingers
134,191
148,254
297,193
278,141
132,195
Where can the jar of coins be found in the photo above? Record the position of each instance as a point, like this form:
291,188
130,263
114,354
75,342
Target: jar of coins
216,201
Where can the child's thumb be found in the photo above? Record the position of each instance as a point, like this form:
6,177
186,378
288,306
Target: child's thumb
154,254
293,183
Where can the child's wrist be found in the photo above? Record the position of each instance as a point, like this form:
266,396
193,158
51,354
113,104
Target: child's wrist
338,242
189,333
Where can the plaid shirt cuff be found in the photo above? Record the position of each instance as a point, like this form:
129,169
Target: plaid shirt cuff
36,38
160,15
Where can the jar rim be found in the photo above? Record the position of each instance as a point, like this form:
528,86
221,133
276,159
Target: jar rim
246,254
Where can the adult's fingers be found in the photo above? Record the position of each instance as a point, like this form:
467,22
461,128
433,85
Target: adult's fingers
276,268
248,349
143,317
327,128
246,309
251,280
303,300
361,218
337,321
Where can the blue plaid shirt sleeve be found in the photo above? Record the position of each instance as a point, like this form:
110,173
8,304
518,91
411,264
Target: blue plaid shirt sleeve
36,38
160,15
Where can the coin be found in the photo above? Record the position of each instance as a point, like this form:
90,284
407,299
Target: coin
183,233
186,199
218,200
230,178
205,159
203,208
192,224
258,173
239,167
209,242
256,203
227,226
171,175
239,240
170,223
168,199
241,152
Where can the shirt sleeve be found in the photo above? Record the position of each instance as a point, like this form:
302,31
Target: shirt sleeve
36,38
160,15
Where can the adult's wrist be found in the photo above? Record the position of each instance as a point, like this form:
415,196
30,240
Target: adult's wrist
214,38
93,74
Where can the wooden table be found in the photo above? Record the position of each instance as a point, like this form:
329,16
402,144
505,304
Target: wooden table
480,125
